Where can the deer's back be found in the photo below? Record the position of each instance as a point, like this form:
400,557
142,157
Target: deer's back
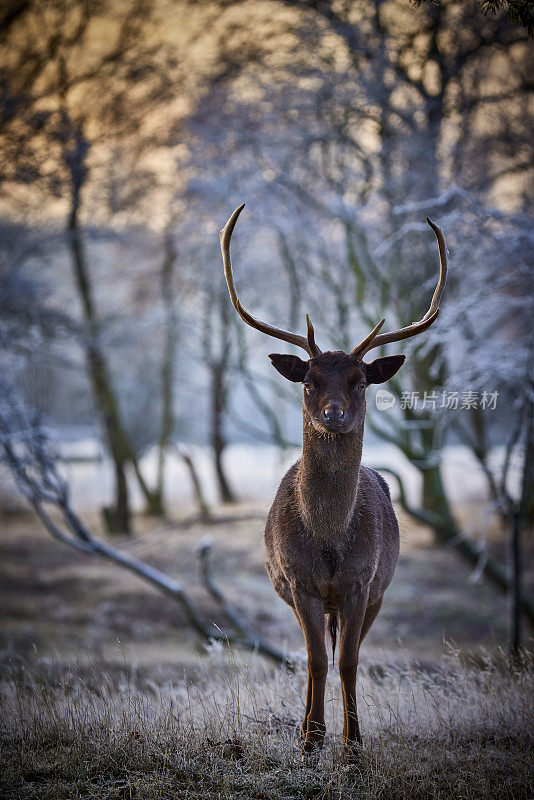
334,567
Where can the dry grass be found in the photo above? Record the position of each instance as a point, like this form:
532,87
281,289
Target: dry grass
105,729
464,731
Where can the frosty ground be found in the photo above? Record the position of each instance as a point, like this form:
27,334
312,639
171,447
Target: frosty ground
108,694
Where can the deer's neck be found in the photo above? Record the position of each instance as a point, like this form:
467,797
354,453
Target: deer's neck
327,481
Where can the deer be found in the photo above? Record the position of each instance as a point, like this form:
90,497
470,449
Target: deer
331,536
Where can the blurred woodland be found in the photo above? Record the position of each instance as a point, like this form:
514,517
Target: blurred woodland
129,131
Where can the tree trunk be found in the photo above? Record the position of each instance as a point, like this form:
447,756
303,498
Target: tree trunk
203,507
105,399
528,477
218,442
518,521
433,496
119,445
117,518
157,503
515,626
217,353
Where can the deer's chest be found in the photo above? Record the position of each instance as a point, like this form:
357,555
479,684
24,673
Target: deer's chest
331,571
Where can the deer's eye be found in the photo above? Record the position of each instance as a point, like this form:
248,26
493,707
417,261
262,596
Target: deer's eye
362,385
307,385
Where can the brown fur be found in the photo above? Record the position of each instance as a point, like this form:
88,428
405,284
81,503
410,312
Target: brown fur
331,536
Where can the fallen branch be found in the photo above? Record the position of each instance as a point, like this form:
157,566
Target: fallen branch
33,463
203,507
452,536
238,621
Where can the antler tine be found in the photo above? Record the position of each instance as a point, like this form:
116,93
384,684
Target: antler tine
442,247
364,346
433,311
307,344
311,337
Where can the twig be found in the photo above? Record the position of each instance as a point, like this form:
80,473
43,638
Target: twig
254,640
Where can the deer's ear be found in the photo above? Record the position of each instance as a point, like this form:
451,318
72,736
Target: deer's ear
291,367
382,369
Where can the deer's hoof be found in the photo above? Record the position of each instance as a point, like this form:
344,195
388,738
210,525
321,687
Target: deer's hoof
311,752
311,748
353,751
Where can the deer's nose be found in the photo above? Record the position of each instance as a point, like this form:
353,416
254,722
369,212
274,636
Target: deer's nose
333,413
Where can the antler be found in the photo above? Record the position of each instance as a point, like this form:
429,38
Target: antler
375,339
307,343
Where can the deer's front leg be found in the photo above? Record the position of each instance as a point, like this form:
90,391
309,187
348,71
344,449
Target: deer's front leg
351,619
304,727
310,613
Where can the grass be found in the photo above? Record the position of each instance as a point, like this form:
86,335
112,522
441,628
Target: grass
110,725
464,731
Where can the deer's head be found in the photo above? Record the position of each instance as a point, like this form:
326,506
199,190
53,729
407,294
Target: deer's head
334,386
335,382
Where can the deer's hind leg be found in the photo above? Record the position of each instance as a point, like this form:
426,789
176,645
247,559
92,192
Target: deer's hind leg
310,614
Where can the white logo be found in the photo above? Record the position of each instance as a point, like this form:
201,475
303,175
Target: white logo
384,400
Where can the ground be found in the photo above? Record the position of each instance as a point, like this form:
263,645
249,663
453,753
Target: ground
59,602
108,694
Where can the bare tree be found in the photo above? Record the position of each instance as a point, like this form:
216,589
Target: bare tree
217,351
47,83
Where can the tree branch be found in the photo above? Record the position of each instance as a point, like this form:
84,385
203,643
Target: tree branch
453,537
257,642
34,465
